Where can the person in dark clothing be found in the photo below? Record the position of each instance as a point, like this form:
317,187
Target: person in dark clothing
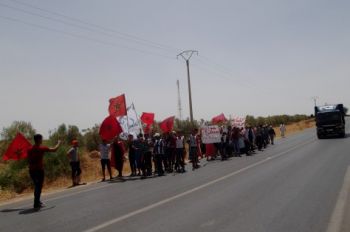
118,153
223,146
259,137
147,157
159,153
36,166
139,153
132,154
272,134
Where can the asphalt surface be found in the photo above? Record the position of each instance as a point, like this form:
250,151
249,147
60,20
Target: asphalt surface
291,186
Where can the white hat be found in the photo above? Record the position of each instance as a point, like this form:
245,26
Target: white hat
156,135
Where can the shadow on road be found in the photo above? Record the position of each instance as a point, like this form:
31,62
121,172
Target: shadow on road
26,211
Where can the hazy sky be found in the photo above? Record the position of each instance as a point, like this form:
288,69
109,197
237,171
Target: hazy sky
60,61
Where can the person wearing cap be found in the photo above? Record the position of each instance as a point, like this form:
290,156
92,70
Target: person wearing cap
74,159
159,153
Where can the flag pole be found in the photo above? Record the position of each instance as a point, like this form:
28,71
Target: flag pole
138,120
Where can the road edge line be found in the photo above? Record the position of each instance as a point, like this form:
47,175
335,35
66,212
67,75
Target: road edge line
164,201
337,217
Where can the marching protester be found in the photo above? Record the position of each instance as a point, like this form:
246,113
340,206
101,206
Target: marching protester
74,162
223,146
250,137
132,154
139,152
36,166
159,153
259,137
117,152
193,147
147,156
282,130
105,161
180,153
272,134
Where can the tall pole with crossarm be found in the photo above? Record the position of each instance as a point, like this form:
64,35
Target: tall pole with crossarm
186,55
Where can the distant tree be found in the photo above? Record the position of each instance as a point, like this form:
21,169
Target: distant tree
92,138
26,128
9,133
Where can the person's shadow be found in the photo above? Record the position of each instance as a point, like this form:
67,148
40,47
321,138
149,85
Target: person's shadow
24,211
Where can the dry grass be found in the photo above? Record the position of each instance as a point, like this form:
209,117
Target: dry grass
296,127
91,167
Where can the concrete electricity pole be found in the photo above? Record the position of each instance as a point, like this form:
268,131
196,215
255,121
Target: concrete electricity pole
186,55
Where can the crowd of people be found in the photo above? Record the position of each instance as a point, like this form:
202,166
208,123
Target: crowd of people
166,153
158,154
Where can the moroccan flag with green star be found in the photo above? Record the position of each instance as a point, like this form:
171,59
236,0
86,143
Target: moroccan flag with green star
117,106
18,148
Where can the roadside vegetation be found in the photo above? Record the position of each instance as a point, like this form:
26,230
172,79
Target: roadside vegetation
14,177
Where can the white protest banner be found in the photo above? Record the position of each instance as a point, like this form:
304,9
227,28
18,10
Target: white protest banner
238,122
211,134
131,123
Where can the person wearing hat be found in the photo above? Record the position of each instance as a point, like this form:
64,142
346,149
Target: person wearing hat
74,162
159,153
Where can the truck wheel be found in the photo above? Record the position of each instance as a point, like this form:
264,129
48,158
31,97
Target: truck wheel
342,135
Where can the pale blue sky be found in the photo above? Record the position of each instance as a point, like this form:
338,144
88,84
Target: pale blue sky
255,57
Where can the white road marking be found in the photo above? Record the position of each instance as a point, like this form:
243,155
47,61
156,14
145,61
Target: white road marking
167,200
337,218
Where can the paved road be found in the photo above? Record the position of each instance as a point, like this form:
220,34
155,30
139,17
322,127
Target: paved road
292,186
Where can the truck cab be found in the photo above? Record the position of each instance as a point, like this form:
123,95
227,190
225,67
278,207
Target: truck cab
330,120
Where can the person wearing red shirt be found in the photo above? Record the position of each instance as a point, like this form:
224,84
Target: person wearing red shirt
36,166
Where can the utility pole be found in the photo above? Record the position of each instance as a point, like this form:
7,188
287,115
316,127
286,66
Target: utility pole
315,100
186,55
179,99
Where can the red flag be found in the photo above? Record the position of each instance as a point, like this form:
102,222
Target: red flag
117,106
167,125
219,119
121,146
18,148
110,128
147,118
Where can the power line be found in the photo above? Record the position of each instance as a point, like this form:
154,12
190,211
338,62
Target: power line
84,37
100,28
219,69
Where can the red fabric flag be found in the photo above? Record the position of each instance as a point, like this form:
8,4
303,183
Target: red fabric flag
117,106
147,118
110,128
18,148
219,119
122,148
167,125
